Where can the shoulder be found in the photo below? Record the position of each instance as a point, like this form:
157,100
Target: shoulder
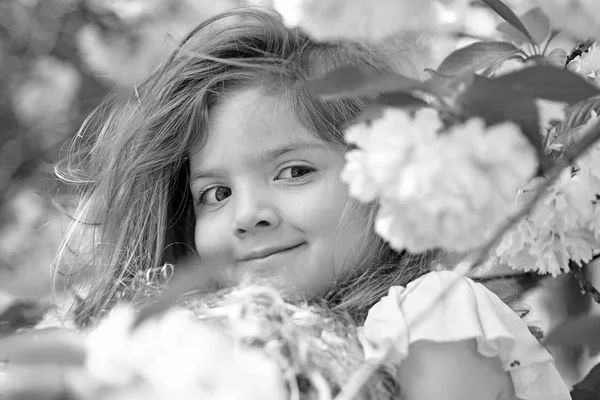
452,370
448,333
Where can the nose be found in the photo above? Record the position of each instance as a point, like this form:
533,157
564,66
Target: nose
254,215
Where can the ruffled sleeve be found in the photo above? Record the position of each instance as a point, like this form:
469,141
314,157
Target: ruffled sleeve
445,307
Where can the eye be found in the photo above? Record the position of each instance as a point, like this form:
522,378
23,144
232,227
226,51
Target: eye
214,195
295,172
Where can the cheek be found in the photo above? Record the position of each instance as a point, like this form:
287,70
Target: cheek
210,236
320,208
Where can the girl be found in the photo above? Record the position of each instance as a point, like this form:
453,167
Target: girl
221,156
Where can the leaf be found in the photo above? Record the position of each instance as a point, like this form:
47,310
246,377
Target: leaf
369,114
536,23
550,83
510,33
584,330
506,14
569,131
589,387
375,109
399,100
475,57
578,114
45,346
449,86
497,103
349,81
21,313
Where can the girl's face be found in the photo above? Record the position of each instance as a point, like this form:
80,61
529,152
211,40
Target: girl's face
268,197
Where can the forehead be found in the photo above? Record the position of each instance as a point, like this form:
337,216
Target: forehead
248,121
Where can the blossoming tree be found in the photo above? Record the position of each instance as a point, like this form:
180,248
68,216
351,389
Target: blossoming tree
494,155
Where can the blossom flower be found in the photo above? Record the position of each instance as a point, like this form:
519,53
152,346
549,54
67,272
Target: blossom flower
176,356
446,189
375,19
384,150
558,230
565,225
356,173
596,222
588,164
107,347
587,64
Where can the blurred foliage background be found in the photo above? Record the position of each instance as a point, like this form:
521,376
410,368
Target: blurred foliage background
60,58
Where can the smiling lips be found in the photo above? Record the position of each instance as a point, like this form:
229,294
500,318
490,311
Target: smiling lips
266,252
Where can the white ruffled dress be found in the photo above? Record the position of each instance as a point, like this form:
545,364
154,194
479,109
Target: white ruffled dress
446,308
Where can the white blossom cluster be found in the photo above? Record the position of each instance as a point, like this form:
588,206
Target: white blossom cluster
374,19
176,357
437,189
565,225
587,64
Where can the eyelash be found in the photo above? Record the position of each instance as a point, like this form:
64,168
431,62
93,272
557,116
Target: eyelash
204,191
311,170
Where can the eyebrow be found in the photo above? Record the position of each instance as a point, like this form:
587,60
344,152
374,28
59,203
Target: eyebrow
263,157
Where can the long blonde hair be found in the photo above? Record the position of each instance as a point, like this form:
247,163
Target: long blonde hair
129,159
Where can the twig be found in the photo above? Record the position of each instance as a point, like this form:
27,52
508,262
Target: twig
584,284
360,377
490,278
